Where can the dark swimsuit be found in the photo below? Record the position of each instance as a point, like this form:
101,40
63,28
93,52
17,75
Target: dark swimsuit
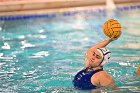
82,79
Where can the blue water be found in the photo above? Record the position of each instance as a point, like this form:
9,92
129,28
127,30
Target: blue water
43,54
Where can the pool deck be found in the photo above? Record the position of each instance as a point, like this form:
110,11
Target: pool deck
20,7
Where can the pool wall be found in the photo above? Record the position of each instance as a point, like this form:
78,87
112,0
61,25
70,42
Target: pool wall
71,12
20,7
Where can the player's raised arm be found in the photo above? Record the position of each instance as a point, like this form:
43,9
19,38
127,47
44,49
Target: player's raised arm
112,29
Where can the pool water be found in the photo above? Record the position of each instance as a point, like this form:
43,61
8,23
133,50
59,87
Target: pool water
42,54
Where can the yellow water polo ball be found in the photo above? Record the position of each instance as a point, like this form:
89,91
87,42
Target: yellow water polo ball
112,27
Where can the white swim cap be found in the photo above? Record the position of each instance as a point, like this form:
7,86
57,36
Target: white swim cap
105,53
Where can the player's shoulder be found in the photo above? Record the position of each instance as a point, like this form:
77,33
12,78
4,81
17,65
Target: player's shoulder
95,79
102,74
102,78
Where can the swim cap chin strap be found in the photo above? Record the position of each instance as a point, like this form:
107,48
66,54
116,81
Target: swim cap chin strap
105,53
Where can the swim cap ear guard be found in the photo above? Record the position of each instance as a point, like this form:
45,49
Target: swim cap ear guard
105,53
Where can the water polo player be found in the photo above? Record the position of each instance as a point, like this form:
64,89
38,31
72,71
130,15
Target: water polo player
93,75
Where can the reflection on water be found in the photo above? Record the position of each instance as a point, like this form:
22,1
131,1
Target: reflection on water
43,54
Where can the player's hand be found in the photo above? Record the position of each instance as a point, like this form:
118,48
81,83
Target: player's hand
113,37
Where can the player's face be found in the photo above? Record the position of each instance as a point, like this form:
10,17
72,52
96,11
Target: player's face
94,58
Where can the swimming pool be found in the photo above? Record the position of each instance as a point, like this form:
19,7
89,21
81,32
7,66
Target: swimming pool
42,53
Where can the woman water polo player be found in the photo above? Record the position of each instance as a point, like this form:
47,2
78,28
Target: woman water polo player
137,73
93,75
